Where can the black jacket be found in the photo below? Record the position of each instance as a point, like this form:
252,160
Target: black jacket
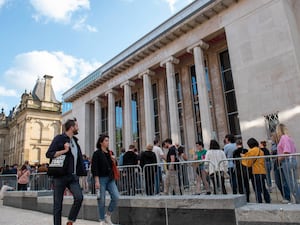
58,145
101,164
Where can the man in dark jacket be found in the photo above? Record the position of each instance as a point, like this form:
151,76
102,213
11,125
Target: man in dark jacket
67,144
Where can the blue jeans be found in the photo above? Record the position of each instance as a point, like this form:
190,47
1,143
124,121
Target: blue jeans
106,184
268,166
60,184
157,180
233,181
281,182
289,167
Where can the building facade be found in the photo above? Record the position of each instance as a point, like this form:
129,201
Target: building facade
216,67
31,126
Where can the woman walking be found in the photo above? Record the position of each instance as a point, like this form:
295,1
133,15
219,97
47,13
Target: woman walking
102,170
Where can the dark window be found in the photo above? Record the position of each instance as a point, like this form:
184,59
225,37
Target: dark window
196,106
156,110
135,119
104,120
119,125
180,107
229,94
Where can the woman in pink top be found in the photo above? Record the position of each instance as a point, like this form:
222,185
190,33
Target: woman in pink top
288,164
23,178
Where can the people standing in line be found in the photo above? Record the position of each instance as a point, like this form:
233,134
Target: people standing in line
130,161
200,170
149,157
258,170
229,148
102,170
120,162
84,180
159,156
243,173
23,178
67,144
280,179
268,164
216,168
285,147
171,179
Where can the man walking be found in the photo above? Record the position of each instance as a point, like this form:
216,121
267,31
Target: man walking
67,144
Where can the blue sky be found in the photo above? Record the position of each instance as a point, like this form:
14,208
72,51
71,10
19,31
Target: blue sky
68,39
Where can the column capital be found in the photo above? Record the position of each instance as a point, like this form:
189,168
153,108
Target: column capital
147,72
127,82
203,45
98,99
112,91
171,59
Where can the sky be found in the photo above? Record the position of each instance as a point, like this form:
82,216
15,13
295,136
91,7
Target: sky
68,39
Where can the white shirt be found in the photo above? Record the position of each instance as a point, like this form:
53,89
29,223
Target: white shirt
215,156
158,153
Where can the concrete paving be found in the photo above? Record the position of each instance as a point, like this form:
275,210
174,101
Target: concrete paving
16,216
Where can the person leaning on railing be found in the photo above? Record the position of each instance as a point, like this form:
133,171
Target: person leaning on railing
258,170
288,163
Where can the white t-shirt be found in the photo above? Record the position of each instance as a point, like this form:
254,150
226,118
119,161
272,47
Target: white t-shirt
158,153
74,152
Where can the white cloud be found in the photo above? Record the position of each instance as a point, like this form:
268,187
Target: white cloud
7,92
66,70
58,10
81,25
175,5
2,2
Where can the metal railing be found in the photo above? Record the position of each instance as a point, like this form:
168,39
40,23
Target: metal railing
281,181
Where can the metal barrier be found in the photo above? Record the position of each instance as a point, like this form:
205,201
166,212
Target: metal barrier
179,178
39,182
9,180
279,184
131,181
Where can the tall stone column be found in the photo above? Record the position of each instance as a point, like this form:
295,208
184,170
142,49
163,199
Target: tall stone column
111,119
148,105
206,120
97,111
127,113
172,97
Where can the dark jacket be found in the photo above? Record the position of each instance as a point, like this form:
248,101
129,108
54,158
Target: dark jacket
130,158
58,145
101,164
147,157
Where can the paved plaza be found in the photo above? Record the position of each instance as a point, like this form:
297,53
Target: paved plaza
16,216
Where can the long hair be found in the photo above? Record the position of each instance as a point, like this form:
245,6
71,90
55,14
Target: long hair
100,140
281,129
214,145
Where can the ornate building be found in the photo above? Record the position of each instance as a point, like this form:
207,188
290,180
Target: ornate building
31,126
216,67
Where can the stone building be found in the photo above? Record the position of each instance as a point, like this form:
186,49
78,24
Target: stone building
215,67
32,125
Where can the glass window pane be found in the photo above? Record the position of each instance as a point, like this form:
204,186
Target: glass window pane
234,124
225,62
228,81
231,102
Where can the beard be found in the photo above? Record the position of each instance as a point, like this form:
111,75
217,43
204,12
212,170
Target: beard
75,132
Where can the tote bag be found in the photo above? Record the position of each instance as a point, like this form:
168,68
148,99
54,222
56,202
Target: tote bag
58,166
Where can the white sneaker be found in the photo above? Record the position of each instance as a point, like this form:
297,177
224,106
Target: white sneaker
108,219
102,223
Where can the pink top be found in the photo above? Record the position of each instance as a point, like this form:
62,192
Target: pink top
286,145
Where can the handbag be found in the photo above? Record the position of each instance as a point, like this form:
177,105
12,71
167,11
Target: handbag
116,172
58,166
